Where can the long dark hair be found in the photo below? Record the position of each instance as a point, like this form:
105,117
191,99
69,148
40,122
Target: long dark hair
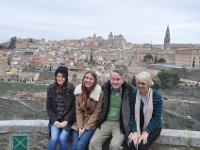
65,86
85,92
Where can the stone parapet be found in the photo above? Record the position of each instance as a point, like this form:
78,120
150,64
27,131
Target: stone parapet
37,133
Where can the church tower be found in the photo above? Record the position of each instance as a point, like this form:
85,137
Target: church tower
110,36
167,39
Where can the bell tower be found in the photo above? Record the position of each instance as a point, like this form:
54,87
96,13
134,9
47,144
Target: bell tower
167,39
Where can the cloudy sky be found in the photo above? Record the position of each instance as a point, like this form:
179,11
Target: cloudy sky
139,21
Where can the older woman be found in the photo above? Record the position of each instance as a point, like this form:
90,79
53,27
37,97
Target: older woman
146,110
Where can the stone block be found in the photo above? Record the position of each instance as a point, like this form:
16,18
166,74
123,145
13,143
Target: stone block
4,141
195,139
174,137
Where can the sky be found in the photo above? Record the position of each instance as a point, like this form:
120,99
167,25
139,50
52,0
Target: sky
139,21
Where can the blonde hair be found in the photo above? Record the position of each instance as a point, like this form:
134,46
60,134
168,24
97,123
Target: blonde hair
144,77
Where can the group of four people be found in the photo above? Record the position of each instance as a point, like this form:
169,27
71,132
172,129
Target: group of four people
92,114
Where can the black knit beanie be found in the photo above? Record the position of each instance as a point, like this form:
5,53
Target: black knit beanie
62,69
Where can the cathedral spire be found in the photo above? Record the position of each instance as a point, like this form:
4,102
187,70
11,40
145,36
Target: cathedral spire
167,39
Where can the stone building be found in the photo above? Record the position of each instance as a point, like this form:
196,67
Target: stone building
27,44
112,42
19,77
169,56
44,61
21,58
186,57
3,58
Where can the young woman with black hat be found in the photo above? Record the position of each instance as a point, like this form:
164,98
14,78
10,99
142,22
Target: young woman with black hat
60,106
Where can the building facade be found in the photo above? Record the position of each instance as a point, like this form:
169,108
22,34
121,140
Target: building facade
188,57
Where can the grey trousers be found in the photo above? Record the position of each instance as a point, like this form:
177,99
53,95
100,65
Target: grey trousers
108,129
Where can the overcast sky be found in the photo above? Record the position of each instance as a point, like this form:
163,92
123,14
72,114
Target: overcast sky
139,21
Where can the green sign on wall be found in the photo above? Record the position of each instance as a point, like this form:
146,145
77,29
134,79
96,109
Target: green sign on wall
20,142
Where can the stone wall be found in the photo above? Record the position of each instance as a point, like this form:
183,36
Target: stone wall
37,133
36,130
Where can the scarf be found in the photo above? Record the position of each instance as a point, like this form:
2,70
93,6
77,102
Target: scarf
148,109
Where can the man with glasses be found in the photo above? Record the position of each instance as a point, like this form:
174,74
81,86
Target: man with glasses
114,119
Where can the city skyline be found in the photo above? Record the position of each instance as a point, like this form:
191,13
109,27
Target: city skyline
138,21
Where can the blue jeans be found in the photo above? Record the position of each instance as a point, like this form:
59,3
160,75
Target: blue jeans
81,143
58,135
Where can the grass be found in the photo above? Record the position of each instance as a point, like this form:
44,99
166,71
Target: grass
11,109
5,87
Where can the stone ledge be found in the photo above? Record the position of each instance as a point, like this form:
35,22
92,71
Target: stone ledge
24,126
179,137
184,139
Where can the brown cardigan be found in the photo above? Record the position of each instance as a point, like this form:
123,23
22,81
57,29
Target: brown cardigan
88,119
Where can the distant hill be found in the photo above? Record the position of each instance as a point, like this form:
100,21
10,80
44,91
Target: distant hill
19,102
12,109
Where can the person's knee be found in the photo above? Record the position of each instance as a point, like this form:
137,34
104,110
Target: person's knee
142,146
54,138
94,143
81,145
114,145
93,140
132,146
62,140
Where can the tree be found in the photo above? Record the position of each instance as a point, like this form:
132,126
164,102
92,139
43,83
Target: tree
30,40
114,60
148,58
175,78
133,81
168,78
91,56
164,77
156,60
156,84
12,43
193,63
161,61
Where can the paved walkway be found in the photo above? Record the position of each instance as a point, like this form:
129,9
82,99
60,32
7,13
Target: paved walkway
189,81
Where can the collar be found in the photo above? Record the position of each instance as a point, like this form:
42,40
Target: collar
117,93
95,94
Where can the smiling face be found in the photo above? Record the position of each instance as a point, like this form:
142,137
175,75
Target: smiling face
142,87
88,80
116,81
60,79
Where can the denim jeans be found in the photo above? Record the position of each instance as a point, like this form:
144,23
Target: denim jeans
81,143
58,136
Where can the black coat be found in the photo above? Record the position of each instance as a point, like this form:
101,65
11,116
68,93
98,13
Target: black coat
69,103
125,109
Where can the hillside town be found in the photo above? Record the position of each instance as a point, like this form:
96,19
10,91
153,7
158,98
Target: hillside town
24,60
27,66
